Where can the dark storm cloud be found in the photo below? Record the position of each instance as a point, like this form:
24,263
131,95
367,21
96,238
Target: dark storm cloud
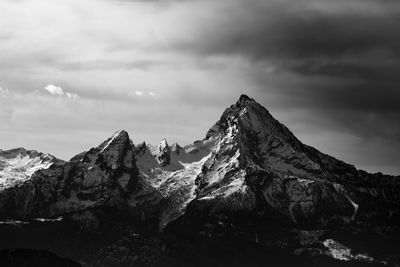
354,43
351,48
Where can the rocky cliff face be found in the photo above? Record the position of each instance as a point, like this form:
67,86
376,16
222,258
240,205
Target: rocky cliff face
260,160
281,173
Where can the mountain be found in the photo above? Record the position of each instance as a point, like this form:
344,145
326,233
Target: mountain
250,186
101,177
18,165
249,162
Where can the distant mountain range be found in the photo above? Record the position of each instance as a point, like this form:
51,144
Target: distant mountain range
248,193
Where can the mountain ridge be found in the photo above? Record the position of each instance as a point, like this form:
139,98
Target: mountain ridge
254,141
248,172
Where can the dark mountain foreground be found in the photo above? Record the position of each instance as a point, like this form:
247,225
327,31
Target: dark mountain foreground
33,258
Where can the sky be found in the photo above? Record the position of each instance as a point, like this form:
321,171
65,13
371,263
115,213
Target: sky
73,72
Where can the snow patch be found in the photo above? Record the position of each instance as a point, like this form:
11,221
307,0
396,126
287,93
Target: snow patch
355,205
13,222
180,189
58,219
340,252
337,250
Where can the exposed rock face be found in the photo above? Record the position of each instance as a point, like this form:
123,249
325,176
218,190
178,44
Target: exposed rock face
102,177
281,174
164,153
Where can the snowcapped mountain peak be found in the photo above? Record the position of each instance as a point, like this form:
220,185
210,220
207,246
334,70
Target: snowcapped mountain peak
118,138
262,151
245,113
113,149
17,165
103,176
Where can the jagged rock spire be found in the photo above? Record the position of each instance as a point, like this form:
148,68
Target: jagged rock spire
164,153
141,148
176,148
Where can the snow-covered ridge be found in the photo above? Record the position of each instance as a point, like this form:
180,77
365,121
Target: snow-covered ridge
147,154
175,179
18,165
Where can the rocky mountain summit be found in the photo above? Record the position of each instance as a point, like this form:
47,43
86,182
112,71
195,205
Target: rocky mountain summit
250,185
18,165
101,177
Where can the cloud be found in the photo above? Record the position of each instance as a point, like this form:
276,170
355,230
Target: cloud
4,92
57,90
54,90
138,93
141,94
315,37
71,96
331,65
335,61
